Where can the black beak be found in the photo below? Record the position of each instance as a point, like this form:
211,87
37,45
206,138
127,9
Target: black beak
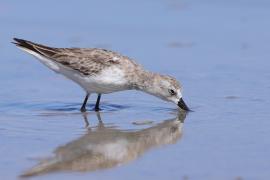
183,105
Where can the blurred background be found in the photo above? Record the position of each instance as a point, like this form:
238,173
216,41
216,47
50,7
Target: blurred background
218,49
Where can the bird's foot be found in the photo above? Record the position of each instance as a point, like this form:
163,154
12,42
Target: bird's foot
83,109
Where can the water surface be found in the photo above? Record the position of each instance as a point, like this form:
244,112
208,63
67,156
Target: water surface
219,50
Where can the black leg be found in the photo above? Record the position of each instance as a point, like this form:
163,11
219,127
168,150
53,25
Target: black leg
83,109
97,103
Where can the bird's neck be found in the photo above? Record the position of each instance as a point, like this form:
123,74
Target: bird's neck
145,81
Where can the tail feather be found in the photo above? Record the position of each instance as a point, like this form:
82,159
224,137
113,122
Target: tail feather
24,44
43,53
38,48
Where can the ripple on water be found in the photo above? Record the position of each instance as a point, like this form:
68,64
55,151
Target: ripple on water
37,108
33,118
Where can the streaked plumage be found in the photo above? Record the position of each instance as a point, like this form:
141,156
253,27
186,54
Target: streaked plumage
102,71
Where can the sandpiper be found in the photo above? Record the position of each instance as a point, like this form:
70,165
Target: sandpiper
103,71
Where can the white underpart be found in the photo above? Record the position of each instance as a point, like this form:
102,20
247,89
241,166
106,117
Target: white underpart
109,80
49,63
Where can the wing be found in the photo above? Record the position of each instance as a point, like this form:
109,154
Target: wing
88,61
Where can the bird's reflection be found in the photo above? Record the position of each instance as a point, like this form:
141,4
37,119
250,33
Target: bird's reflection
106,147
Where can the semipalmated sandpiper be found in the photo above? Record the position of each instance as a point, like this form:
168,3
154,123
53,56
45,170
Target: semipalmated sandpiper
102,71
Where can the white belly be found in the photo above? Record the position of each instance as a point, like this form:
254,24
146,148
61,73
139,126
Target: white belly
111,79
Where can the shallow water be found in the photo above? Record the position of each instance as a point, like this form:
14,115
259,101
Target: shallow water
219,50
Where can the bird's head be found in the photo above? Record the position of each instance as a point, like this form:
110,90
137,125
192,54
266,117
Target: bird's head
168,89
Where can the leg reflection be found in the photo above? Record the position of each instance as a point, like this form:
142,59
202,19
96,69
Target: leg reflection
107,147
84,114
100,122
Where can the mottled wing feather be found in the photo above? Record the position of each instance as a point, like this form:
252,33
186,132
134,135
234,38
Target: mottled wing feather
87,61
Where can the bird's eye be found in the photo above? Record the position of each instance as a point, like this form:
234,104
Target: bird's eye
172,92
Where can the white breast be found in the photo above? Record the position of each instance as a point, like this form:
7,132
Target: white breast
111,79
